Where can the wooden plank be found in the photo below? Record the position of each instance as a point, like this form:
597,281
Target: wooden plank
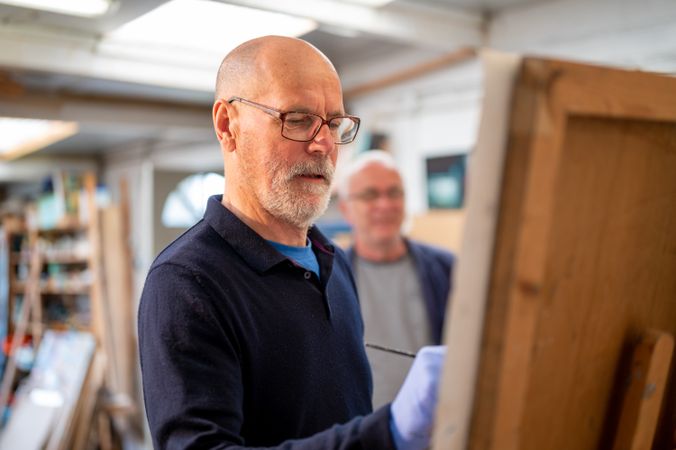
88,401
519,264
466,310
99,305
118,297
451,59
129,375
645,393
105,432
96,295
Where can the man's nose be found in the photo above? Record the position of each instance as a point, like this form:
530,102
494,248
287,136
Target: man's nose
323,141
383,200
388,199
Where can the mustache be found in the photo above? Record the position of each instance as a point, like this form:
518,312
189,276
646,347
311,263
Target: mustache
312,167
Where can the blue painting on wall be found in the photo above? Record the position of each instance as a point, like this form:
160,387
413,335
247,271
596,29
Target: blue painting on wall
446,181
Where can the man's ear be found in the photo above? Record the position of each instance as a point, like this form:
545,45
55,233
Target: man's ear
223,125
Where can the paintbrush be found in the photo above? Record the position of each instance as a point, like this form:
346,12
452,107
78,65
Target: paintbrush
390,350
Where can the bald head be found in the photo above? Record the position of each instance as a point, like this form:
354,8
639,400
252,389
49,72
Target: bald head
253,65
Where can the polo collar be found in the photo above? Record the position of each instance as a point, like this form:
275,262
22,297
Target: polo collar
252,247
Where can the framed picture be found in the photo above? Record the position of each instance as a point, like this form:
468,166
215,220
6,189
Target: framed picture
446,181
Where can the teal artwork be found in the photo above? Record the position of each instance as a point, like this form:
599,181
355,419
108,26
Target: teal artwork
446,181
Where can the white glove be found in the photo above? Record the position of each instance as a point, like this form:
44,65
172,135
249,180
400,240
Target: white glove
412,411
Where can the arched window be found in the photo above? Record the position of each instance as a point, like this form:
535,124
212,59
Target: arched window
185,205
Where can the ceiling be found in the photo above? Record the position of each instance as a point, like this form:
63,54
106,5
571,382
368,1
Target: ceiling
57,66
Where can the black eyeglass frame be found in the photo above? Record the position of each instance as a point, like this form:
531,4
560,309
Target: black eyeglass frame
276,113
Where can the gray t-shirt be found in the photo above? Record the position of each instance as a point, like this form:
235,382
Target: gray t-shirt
394,316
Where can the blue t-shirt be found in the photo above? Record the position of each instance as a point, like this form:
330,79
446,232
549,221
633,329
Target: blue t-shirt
304,256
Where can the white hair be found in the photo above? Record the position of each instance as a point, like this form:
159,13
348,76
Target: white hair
375,156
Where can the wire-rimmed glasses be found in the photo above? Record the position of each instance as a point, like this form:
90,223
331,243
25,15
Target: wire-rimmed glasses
303,126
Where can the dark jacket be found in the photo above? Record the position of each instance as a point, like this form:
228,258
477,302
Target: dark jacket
241,347
434,268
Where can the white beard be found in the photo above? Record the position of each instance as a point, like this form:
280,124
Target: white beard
291,200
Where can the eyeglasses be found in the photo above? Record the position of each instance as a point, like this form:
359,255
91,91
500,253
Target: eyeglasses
371,195
304,127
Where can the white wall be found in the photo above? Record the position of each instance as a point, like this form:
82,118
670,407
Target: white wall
434,115
629,33
438,114
137,165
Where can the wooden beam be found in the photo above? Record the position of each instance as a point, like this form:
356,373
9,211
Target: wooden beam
97,109
451,59
9,87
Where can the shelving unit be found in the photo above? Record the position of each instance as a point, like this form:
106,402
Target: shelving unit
69,273
68,292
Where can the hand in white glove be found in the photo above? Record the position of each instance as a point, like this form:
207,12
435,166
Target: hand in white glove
412,411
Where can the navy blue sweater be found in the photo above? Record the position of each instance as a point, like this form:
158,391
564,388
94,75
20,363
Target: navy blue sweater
239,346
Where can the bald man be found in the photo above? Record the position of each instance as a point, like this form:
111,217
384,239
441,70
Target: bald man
250,332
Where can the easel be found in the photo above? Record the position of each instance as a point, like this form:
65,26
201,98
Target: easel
567,260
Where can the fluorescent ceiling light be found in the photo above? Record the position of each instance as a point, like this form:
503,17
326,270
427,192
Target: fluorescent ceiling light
83,8
370,3
19,137
205,26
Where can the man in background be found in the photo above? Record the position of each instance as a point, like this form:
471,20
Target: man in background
403,285
250,333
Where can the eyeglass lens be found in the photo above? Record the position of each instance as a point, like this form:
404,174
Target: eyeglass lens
304,127
369,195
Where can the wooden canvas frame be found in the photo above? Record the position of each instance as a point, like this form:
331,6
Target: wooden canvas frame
526,344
